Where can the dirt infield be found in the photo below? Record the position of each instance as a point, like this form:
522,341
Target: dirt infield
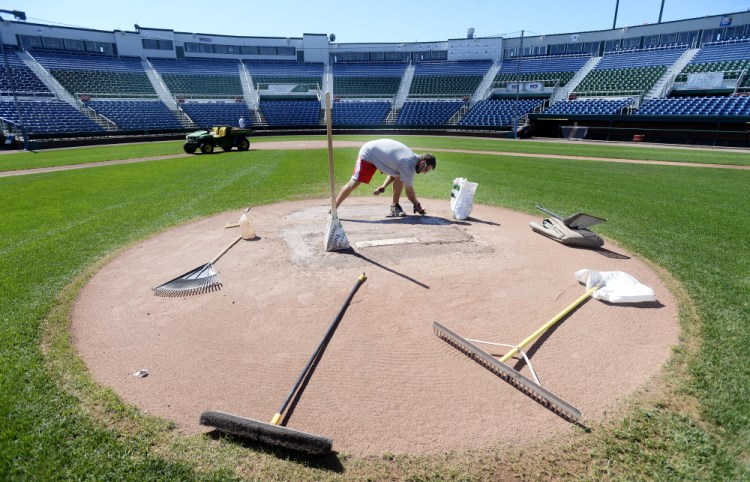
385,383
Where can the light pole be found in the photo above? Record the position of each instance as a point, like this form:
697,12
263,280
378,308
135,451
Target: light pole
19,16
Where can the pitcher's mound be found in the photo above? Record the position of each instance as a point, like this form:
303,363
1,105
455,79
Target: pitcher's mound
385,383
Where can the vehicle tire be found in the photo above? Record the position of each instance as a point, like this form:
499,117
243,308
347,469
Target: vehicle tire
243,144
189,148
207,148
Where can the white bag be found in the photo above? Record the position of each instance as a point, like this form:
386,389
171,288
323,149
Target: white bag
619,287
462,197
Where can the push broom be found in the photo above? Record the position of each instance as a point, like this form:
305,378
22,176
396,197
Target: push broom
202,279
621,287
274,433
335,238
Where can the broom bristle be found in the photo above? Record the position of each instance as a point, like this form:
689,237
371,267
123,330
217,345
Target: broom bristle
535,391
267,433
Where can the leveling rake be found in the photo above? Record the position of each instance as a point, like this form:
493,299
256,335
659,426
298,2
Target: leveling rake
615,286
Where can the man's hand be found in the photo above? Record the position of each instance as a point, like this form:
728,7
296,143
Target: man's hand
379,190
418,209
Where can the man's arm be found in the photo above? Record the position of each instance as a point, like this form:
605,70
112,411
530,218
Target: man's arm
412,196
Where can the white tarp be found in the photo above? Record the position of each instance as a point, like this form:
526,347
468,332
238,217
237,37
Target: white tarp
618,286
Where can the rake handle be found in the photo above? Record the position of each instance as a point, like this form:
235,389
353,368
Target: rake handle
549,324
329,138
326,338
223,252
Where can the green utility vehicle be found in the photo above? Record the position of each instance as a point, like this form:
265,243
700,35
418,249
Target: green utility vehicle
225,137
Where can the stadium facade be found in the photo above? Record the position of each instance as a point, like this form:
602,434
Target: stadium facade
678,81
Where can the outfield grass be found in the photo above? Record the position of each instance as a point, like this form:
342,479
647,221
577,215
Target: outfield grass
83,155
58,227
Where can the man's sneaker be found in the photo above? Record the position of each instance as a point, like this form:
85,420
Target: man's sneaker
396,211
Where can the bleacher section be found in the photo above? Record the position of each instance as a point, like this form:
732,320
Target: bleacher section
731,58
137,114
551,71
367,80
97,76
428,112
47,116
208,114
498,112
291,112
359,113
196,78
737,106
448,79
285,73
616,75
26,82
589,107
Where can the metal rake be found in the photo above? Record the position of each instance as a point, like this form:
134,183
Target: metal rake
202,279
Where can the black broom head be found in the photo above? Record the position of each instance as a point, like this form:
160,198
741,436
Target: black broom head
267,433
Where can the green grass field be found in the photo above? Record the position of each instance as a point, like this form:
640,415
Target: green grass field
58,228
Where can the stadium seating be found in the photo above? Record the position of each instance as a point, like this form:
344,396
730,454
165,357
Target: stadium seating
207,114
359,113
589,107
615,74
97,76
367,80
291,112
736,106
137,114
285,73
498,112
198,78
427,112
728,57
26,82
447,79
548,69
47,116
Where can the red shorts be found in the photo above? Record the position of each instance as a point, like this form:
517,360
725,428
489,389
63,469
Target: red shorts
363,171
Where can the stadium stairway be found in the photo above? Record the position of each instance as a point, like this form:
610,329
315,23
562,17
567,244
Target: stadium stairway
663,85
159,86
248,88
486,85
562,94
404,88
62,94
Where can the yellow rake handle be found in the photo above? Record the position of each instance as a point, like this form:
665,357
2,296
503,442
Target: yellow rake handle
549,324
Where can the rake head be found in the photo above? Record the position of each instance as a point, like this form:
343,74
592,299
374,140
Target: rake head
202,279
527,386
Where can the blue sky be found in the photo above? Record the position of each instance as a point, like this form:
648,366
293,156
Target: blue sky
366,20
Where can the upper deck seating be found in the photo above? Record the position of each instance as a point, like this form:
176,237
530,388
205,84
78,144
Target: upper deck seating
200,78
447,79
97,76
367,80
285,73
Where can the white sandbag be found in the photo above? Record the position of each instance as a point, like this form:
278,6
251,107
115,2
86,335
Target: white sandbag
619,287
462,197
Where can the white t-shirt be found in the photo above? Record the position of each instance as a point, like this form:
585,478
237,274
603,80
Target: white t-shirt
242,122
391,157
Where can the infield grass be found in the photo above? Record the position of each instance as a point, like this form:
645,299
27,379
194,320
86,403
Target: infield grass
57,228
